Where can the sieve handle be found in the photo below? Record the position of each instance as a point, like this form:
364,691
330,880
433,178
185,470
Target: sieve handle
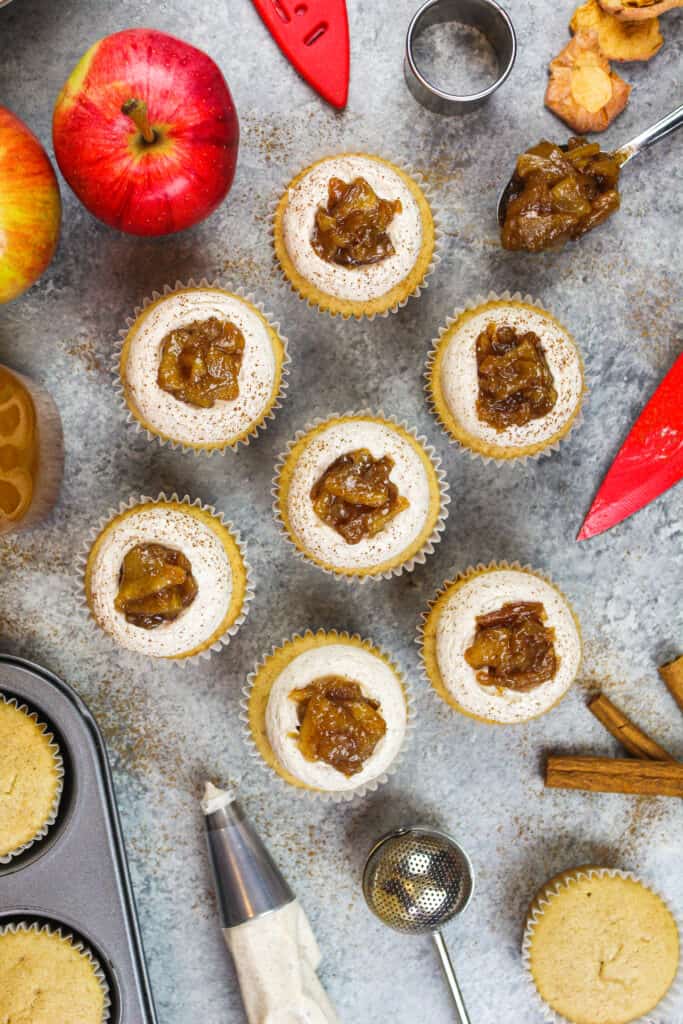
449,974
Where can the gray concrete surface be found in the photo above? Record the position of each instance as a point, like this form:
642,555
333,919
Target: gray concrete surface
618,291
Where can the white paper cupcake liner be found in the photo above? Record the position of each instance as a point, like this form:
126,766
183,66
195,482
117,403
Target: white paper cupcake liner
59,768
443,589
48,480
420,557
345,796
666,1011
481,300
82,561
428,193
258,427
77,944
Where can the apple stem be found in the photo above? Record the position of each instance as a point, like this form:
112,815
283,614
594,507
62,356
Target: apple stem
136,110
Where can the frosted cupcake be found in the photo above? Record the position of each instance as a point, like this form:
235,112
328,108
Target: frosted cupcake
328,712
31,779
601,948
167,578
201,367
501,644
361,496
52,975
31,452
505,379
355,235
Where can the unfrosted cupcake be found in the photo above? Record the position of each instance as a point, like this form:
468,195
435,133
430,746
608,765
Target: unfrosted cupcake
31,779
361,496
201,367
601,948
167,578
48,977
505,379
31,452
328,712
501,644
355,235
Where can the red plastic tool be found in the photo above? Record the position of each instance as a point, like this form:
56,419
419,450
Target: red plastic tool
314,36
649,461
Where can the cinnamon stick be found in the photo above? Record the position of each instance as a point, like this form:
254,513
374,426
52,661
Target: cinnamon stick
627,732
615,775
672,674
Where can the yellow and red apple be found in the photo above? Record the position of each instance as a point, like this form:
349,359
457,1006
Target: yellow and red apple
30,210
146,133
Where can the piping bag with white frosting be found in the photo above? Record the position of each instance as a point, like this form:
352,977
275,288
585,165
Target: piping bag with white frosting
275,952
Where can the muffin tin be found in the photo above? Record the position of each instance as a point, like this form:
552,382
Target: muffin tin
77,876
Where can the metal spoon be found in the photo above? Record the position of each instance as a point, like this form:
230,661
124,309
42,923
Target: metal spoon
415,881
625,153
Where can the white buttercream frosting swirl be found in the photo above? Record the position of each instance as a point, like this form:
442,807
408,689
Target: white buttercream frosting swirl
455,631
409,474
460,381
356,284
378,682
180,421
181,531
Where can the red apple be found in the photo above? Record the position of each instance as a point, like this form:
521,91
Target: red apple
30,210
146,133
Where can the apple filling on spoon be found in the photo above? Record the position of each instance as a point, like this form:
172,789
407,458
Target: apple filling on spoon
559,193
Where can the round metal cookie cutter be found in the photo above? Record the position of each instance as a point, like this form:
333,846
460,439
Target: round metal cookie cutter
485,15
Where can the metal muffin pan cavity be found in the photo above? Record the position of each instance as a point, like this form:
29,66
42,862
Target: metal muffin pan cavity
77,876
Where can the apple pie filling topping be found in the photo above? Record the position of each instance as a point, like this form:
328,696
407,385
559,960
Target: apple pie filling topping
200,363
515,382
513,648
155,585
352,230
356,497
337,723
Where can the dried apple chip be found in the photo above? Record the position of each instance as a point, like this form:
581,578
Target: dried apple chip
583,90
638,10
618,40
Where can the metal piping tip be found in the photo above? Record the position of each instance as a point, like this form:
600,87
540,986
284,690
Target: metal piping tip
248,882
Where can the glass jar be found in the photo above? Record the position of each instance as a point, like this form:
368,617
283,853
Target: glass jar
31,452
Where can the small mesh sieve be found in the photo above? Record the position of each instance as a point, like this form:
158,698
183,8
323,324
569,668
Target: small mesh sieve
415,881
